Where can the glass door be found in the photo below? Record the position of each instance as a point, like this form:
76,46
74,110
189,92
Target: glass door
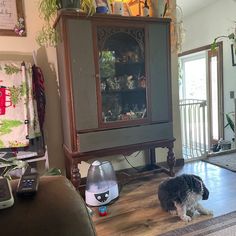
121,80
201,106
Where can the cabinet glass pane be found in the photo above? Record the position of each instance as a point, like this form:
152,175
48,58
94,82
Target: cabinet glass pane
122,74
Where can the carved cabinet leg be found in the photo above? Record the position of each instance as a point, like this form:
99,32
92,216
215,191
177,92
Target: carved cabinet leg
75,175
171,160
152,158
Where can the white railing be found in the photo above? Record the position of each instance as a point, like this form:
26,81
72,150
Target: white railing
193,114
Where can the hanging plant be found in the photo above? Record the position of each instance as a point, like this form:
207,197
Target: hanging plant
48,9
231,37
88,6
48,36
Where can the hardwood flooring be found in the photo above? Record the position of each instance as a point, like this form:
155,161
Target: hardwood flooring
137,211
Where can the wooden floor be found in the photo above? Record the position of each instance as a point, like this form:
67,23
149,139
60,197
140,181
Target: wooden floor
137,211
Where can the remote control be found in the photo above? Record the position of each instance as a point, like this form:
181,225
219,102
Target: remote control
6,197
27,185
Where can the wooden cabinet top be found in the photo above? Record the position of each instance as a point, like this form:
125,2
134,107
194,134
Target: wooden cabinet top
65,14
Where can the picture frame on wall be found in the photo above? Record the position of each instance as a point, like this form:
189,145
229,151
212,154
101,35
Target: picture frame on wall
12,20
233,53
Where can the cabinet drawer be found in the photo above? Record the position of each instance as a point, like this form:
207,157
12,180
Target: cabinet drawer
126,136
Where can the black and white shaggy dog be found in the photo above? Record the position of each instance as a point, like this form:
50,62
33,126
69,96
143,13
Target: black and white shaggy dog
180,195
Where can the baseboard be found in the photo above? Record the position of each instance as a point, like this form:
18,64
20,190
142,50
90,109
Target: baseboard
212,154
178,163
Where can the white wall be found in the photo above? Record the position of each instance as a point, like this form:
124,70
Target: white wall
201,29
47,61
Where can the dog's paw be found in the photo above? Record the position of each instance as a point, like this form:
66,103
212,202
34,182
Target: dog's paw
205,212
186,218
173,213
193,213
208,212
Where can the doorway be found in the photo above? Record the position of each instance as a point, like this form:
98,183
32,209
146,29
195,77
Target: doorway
201,100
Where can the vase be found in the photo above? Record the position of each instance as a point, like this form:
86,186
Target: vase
157,8
118,8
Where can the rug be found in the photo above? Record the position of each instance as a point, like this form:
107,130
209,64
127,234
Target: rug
227,161
220,226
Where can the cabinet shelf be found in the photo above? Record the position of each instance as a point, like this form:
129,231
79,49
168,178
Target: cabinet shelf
121,91
130,68
130,63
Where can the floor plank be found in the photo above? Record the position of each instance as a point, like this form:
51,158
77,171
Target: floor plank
137,211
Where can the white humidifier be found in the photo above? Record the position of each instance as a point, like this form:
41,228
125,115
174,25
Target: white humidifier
101,186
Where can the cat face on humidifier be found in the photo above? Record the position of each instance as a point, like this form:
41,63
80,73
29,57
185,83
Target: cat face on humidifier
101,185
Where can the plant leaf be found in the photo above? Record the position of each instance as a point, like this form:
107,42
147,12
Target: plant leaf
230,122
52,171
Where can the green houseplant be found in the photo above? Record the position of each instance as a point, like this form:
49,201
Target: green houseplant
230,121
48,36
8,165
11,164
231,36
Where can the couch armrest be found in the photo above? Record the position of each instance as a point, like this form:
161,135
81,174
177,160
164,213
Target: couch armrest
56,210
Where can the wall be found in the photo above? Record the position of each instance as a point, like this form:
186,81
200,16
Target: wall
201,29
46,59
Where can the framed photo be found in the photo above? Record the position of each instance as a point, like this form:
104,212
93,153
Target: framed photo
105,3
233,53
12,21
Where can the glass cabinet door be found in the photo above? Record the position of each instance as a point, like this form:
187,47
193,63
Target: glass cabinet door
122,81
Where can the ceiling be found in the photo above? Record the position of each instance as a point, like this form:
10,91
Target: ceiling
190,6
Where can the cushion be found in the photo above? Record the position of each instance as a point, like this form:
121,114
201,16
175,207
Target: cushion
56,210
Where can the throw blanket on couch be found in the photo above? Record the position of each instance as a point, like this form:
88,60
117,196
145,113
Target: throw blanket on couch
18,115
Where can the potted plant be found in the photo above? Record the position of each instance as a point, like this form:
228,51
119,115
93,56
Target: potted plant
48,36
11,164
230,122
231,37
69,3
8,165
88,6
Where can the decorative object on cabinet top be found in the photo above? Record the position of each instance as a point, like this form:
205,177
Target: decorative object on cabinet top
112,17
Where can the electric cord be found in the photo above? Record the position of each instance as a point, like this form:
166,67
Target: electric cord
130,163
121,185
125,157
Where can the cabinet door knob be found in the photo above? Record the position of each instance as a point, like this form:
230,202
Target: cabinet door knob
97,75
